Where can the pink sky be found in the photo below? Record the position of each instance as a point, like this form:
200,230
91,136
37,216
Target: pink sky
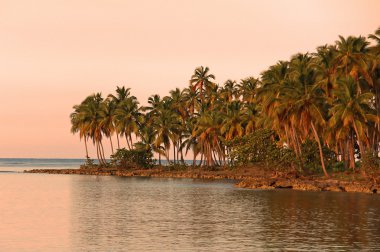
53,53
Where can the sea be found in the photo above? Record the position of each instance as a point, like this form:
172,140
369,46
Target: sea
50,212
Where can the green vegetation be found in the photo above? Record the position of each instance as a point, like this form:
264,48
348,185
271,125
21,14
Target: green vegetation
134,158
316,112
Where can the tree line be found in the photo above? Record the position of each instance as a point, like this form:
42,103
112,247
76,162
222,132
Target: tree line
330,97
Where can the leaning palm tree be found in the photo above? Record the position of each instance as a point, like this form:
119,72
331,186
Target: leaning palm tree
90,108
78,125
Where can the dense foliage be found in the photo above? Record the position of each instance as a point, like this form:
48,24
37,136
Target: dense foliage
134,158
324,107
260,147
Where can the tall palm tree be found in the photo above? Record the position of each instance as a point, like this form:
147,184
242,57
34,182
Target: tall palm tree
78,125
351,114
122,94
232,125
247,89
200,78
107,114
351,57
128,119
208,134
305,99
229,91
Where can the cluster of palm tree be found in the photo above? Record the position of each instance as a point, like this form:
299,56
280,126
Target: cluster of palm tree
331,96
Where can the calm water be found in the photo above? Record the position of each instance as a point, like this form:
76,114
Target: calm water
42,212
21,164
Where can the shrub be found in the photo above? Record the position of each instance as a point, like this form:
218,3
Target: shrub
260,147
124,158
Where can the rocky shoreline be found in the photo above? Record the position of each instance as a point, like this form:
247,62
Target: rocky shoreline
245,177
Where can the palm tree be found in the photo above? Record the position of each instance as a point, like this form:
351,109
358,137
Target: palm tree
122,94
229,91
351,114
200,78
247,89
107,113
232,125
78,125
326,68
90,108
128,119
352,56
305,99
190,100
208,134
165,128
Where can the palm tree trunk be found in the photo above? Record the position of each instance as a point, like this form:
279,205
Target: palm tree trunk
102,152
181,149
352,153
346,154
126,138
85,145
174,159
111,144
361,147
167,155
97,152
200,163
194,159
320,149
118,142
130,138
297,148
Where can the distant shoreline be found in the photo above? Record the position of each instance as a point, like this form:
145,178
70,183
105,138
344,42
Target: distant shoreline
246,178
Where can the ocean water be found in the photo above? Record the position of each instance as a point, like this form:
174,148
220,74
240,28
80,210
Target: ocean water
48,212
21,164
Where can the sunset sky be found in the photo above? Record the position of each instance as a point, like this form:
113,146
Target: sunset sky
55,53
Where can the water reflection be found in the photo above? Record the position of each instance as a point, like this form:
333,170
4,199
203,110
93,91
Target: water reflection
168,214
41,212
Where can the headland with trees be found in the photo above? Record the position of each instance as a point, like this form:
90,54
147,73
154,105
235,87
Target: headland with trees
316,115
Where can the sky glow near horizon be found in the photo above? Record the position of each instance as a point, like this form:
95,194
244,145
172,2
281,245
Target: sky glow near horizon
55,53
